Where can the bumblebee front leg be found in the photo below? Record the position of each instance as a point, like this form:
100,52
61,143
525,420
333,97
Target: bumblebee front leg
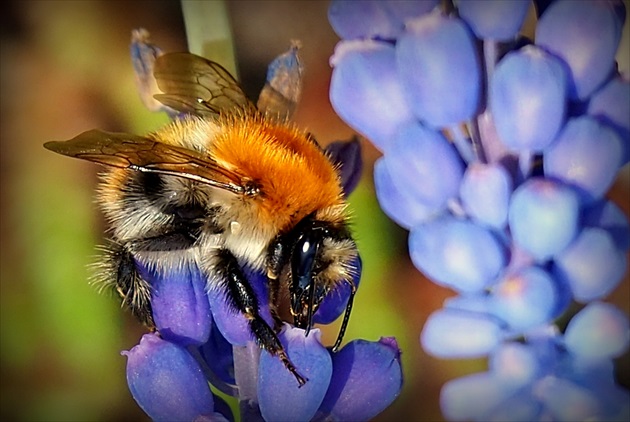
242,297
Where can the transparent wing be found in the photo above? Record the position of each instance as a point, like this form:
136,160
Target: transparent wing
192,84
142,154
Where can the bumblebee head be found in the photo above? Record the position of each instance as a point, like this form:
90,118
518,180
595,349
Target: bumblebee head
322,256
306,294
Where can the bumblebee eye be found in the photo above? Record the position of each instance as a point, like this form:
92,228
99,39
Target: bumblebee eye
302,280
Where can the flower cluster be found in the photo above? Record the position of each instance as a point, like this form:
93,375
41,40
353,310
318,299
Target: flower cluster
497,154
200,340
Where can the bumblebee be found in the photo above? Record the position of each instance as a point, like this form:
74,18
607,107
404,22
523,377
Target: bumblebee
224,188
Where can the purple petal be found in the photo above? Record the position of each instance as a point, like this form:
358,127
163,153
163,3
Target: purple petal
346,155
365,90
217,352
179,302
367,377
281,399
585,34
166,381
439,68
494,19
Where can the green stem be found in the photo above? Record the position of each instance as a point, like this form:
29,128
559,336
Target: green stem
208,32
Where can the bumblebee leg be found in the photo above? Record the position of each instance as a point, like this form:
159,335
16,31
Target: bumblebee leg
274,294
118,270
346,317
242,297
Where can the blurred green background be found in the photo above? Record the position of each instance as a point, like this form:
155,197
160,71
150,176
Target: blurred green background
65,68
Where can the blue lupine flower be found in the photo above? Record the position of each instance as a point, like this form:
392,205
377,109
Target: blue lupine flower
200,338
519,227
166,381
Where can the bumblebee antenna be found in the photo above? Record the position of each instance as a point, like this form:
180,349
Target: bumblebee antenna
346,317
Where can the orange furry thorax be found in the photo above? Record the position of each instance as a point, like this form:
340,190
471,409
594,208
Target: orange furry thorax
294,175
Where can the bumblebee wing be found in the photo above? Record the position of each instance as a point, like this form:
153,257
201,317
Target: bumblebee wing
138,153
192,84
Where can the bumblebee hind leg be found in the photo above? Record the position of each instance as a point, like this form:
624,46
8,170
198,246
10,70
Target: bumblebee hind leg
117,271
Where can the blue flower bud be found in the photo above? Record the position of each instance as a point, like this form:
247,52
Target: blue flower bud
179,302
365,90
281,399
453,333
525,298
592,265
398,205
166,381
528,99
485,193
607,215
610,106
498,20
543,217
374,18
586,155
516,363
438,62
457,253
369,370
599,331
473,396
424,165
560,397
585,34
